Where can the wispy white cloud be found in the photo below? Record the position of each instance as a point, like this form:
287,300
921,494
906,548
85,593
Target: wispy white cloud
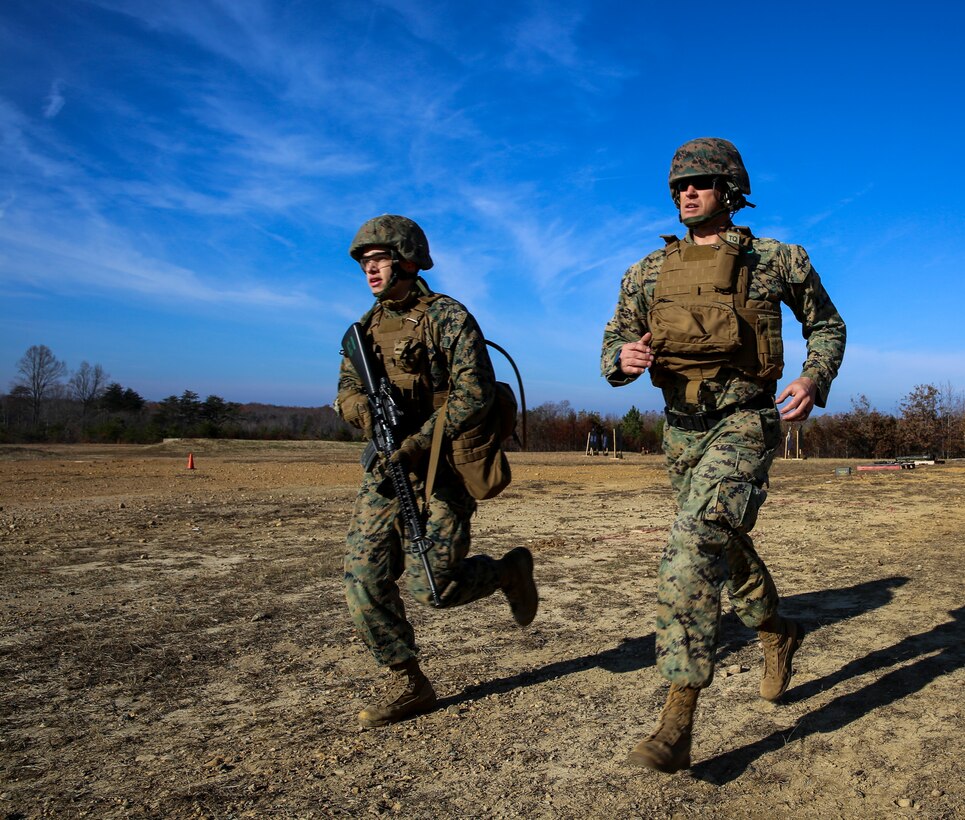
228,29
263,40
555,246
546,41
815,219
464,273
55,100
29,148
279,146
82,260
546,36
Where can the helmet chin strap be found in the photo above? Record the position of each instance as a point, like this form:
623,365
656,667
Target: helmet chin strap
397,274
694,221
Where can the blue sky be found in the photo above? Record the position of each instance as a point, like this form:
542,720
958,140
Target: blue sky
179,181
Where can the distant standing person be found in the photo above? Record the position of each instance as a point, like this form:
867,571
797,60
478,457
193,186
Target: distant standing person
435,356
703,315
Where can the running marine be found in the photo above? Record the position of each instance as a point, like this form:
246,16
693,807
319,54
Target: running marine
702,315
436,359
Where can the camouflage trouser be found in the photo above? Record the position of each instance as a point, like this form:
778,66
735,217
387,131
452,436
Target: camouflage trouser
720,478
376,559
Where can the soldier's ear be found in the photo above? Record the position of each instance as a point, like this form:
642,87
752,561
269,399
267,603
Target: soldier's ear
409,267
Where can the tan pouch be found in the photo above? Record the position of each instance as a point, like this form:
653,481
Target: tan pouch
477,455
709,327
765,325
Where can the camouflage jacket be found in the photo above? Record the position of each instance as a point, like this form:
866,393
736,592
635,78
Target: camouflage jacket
457,359
783,273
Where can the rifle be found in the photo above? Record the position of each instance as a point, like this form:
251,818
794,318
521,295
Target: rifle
385,424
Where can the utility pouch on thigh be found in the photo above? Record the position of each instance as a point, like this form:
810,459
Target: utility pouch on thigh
736,504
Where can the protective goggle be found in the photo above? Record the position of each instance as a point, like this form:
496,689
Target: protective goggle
376,256
700,183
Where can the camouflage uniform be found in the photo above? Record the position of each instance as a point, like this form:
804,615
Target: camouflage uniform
455,351
720,475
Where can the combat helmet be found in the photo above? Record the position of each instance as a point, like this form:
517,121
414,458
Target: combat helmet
399,233
712,156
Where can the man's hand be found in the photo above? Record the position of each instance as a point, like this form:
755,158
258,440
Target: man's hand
409,454
355,410
636,357
801,392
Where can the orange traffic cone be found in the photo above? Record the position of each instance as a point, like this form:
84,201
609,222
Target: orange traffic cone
190,461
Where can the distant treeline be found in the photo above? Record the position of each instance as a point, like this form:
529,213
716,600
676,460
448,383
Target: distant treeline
931,421
45,404
122,416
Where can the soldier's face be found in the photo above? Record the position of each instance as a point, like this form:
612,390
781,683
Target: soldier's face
377,266
698,197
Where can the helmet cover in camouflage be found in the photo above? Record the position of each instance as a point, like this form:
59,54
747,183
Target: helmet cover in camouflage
400,233
709,156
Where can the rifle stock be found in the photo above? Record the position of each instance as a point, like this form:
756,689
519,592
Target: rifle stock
385,423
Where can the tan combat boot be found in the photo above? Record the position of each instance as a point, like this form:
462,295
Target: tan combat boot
780,639
517,582
410,693
668,747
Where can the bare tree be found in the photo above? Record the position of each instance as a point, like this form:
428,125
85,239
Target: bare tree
919,428
40,374
87,385
951,415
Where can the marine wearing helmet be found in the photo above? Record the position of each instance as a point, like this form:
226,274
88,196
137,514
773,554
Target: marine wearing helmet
399,233
710,162
443,392
391,249
703,315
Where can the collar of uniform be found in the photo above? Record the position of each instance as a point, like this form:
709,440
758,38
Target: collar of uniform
401,305
734,235
689,238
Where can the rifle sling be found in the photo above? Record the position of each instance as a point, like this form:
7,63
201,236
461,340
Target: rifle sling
434,454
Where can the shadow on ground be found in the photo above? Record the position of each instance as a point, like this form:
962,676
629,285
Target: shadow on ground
814,609
939,651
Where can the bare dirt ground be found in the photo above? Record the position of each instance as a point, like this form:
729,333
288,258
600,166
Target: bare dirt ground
174,643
